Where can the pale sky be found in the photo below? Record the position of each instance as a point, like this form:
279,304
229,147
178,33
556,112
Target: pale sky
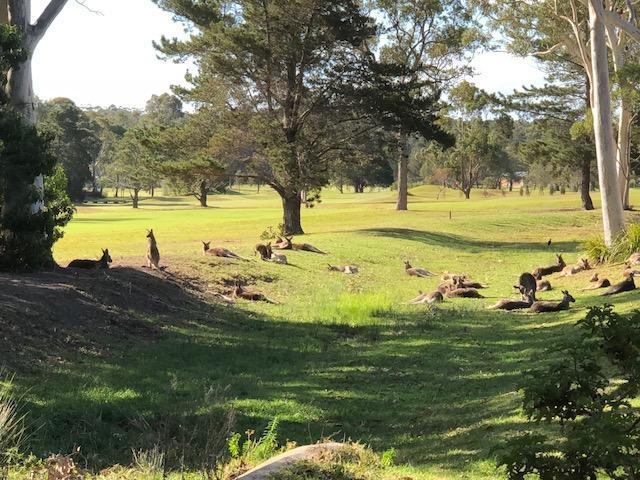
108,59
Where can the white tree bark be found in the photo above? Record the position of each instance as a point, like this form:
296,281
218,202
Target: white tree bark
20,80
612,213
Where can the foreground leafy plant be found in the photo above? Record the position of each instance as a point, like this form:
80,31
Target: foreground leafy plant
588,395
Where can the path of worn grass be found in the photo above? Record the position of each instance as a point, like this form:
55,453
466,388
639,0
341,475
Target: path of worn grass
342,355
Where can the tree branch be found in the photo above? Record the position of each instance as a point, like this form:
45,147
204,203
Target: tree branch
38,29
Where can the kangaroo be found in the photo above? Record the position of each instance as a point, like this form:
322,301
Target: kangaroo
634,259
240,292
153,254
597,283
219,251
464,293
626,285
573,269
265,251
543,286
445,287
104,262
287,244
527,284
543,307
280,259
348,269
543,271
460,282
432,297
416,272
506,304
450,276
629,270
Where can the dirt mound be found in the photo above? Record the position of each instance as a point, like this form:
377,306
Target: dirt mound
44,316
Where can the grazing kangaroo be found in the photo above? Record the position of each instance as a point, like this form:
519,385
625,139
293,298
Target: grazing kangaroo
348,269
432,297
626,285
219,251
461,282
279,259
240,292
527,284
573,269
507,304
287,244
265,251
104,262
153,254
543,307
416,272
597,283
464,293
543,271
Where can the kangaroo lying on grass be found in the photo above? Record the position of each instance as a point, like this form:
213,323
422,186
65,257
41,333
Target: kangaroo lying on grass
543,306
416,272
626,285
287,244
507,304
279,259
461,282
634,259
597,283
543,271
432,297
629,270
569,270
543,286
219,251
450,276
104,262
240,292
464,293
265,251
348,269
153,254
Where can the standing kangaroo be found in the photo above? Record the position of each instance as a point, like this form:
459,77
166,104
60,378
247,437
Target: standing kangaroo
543,307
287,244
527,285
153,254
416,272
542,271
219,251
103,262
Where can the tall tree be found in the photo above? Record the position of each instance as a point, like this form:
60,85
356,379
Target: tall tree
279,58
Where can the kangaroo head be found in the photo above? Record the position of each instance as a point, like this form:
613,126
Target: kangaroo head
594,278
206,245
585,263
561,260
567,296
627,264
105,256
150,233
407,265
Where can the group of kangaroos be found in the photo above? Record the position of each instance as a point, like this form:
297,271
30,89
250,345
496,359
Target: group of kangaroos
460,286
453,286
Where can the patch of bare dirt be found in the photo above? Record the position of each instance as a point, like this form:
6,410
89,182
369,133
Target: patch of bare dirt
44,316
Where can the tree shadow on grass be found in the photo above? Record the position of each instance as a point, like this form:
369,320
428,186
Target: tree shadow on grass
438,385
460,242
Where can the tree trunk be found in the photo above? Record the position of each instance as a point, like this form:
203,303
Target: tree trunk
135,198
203,194
291,207
585,184
403,175
612,213
511,184
624,156
467,192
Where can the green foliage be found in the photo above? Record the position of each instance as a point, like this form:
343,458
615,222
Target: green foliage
12,423
273,232
623,246
587,394
307,470
59,205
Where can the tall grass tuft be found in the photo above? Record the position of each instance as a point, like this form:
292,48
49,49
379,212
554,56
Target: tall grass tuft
627,243
12,421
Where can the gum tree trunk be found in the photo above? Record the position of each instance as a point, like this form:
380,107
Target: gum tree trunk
203,194
403,175
291,204
585,184
612,213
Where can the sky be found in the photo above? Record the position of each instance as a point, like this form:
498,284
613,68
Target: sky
107,58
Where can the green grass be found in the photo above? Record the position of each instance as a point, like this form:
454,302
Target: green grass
339,356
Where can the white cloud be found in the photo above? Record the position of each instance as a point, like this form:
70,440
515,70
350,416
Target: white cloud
502,72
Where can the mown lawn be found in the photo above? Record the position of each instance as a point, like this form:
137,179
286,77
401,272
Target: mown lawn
339,356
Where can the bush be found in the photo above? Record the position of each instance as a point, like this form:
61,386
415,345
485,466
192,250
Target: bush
12,427
273,232
587,396
627,243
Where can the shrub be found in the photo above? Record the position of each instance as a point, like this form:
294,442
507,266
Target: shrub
627,243
12,425
272,232
587,395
